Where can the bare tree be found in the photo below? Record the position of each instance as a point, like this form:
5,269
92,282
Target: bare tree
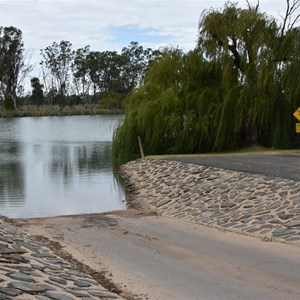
57,59
25,70
291,16
250,5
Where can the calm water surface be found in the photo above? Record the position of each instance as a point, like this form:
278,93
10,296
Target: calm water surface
58,165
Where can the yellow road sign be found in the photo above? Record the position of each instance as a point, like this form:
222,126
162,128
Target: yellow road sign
296,114
297,127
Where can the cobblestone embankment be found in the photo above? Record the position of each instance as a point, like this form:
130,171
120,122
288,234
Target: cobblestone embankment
238,201
29,270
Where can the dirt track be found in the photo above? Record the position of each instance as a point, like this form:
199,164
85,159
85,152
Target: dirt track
154,257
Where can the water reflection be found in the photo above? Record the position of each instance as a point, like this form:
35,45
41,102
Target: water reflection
11,175
56,166
80,159
84,161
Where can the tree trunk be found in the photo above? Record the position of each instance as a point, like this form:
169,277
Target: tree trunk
252,137
15,104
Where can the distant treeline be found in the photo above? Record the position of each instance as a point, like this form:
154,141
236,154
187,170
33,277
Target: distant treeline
67,76
239,87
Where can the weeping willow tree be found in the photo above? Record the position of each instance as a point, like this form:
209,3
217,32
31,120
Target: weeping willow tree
238,87
242,40
287,57
288,99
201,97
259,59
173,112
153,110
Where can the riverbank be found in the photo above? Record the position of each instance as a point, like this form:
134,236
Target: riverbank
56,110
162,249
242,202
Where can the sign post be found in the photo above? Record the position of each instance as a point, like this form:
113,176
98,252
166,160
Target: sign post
296,114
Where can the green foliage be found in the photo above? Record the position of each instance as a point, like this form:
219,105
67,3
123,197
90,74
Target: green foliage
37,96
58,58
84,73
11,62
9,103
239,87
111,100
155,111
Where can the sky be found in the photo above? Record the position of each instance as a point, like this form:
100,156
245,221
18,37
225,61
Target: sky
113,24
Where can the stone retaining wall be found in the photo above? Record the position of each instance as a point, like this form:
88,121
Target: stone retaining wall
243,202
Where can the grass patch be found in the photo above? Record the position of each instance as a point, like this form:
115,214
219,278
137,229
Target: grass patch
246,151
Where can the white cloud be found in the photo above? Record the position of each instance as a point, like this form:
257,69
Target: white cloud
103,24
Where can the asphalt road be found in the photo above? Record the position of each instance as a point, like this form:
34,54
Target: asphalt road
160,258
274,165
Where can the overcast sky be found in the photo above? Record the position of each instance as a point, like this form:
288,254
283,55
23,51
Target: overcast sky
112,24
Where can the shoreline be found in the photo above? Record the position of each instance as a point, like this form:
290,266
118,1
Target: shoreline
171,199
56,110
158,257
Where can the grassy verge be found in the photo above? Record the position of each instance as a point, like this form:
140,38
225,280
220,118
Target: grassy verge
58,111
246,151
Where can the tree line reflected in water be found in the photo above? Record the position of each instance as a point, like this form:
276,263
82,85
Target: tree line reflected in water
11,174
62,162
80,159
63,178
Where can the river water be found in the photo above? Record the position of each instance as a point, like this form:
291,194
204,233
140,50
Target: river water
53,166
